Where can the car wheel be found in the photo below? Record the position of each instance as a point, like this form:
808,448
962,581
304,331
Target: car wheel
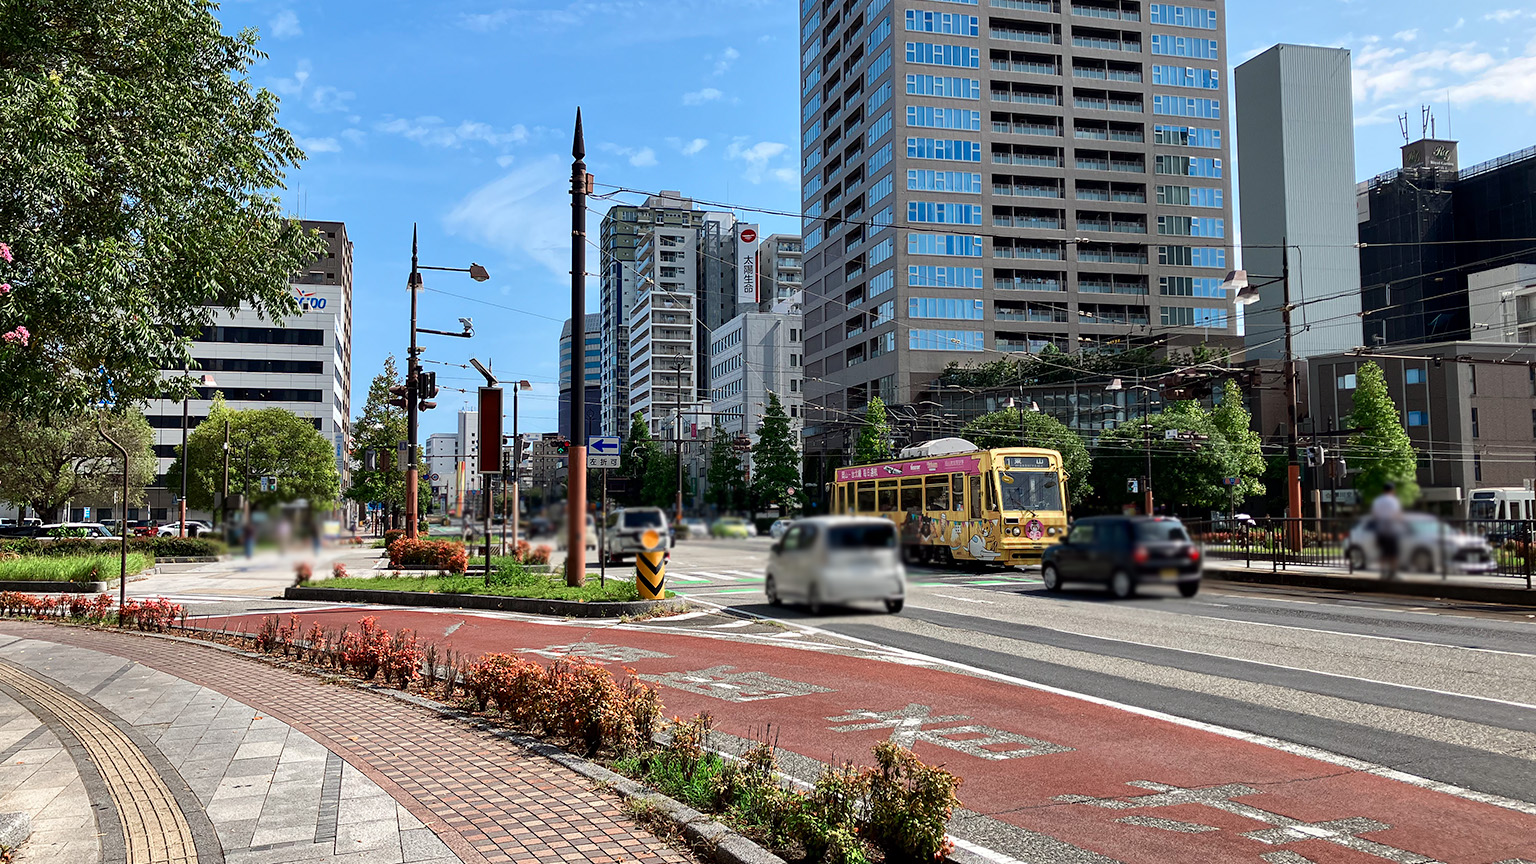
1122,585
1189,589
1356,558
1050,577
1423,561
772,591
894,606
813,600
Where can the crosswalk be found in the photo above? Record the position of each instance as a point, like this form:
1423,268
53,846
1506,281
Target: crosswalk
715,581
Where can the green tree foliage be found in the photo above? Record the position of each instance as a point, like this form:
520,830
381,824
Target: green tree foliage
269,442
139,167
1381,453
44,465
725,471
640,453
1052,366
775,461
1235,424
874,442
1038,429
382,429
1187,476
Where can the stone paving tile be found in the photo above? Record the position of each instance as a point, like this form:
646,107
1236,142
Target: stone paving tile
481,798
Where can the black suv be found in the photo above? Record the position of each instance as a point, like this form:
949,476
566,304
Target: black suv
1122,553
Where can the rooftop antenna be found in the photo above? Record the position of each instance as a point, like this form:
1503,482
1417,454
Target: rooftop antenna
1425,120
1402,123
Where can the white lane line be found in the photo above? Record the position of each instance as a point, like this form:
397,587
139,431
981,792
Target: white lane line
1292,748
720,577
685,578
1366,636
745,575
984,852
965,599
730,624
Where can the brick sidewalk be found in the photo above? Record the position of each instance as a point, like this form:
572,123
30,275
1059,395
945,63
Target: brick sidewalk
487,799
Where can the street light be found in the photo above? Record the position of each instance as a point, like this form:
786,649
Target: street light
185,466
413,397
517,463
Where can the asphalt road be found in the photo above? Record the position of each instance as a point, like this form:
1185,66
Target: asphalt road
1442,691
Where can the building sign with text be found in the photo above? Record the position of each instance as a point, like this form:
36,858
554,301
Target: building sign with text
746,264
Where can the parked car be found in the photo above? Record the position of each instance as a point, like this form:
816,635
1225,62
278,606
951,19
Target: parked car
1124,553
194,529
626,527
90,530
694,529
731,526
837,559
777,529
1425,542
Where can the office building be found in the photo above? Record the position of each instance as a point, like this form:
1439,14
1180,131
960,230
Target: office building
303,365
754,354
981,180
1296,153
1502,302
464,486
1472,423
594,376
442,457
1427,227
781,270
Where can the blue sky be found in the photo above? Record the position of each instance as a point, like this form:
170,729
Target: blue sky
458,116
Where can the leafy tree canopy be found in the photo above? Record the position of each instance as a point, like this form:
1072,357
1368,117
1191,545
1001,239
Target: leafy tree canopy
1187,476
874,441
1052,366
1235,424
725,471
1012,428
775,461
1382,453
139,166
269,442
382,429
44,465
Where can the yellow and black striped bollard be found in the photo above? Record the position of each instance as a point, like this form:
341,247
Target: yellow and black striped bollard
651,567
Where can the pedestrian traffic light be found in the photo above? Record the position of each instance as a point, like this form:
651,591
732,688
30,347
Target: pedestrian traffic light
1133,486
371,459
401,394
1311,457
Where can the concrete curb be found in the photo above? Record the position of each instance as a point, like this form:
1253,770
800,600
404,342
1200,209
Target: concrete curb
60,587
1514,596
15,828
560,608
705,833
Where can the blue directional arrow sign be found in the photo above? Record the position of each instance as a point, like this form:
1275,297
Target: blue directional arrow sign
602,451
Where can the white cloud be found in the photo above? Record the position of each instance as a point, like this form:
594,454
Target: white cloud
699,97
435,132
295,85
322,98
526,213
688,148
757,156
356,136
1406,35
724,61
505,159
318,145
285,25
642,157
1503,16
1382,73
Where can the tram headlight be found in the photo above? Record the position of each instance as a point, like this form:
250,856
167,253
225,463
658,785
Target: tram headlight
1017,531
1051,531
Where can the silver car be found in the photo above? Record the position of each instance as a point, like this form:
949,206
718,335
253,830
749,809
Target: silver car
625,528
1425,543
837,559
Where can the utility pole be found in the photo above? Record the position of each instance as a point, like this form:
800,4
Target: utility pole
677,434
576,470
1293,467
414,283
186,466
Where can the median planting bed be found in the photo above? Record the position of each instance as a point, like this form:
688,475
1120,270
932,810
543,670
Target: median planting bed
71,568
505,581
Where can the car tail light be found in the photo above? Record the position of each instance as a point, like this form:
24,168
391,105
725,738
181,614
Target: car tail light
1194,554
1140,556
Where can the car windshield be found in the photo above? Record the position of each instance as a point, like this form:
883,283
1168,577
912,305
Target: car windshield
644,519
1161,532
862,537
1030,490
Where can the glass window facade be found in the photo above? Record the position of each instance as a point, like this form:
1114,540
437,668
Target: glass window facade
1186,106
878,128
1194,17
948,23
881,283
939,54
944,181
1188,166
938,85
1185,316
1185,46
1192,256
952,245
1192,226
946,340
880,158
928,117
878,191
940,307
1186,196
943,212
880,96
1186,76
878,67
1191,286
1187,136
947,149
928,276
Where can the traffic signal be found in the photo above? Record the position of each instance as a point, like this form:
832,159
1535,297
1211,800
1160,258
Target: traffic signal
428,382
1311,457
370,459
1133,486
562,447
401,394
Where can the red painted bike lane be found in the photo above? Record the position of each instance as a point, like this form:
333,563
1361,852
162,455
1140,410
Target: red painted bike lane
1121,784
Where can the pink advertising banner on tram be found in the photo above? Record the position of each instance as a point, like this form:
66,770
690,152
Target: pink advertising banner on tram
947,465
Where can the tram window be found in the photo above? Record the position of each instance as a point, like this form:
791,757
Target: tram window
842,499
886,498
957,487
976,497
989,482
911,496
866,497
937,491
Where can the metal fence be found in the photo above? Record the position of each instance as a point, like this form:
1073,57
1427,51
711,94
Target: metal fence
1437,546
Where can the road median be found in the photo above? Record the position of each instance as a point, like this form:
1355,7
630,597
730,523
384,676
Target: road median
1474,589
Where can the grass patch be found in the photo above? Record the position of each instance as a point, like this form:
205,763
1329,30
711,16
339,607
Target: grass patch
505,581
95,568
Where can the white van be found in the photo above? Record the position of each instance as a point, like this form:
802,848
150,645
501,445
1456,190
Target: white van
837,559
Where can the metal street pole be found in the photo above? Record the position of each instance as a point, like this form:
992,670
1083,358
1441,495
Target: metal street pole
1293,466
1146,437
186,466
414,284
678,437
122,578
576,466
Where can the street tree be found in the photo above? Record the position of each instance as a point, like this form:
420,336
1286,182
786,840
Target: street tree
1246,446
1013,428
874,441
1187,474
640,451
382,430
267,442
1381,452
140,172
775,461
725,471
45,465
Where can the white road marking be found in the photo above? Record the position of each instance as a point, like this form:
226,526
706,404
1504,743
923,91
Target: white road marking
745,575
731,624
966,599
720,577
1366,636
984,852
681,577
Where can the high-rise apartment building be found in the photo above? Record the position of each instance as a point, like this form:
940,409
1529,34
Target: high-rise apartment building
594,376
781,270
754,354
1296,143
984,179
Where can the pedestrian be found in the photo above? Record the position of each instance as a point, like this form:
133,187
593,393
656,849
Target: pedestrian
1387,519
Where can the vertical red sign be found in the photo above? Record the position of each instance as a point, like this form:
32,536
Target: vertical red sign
490,430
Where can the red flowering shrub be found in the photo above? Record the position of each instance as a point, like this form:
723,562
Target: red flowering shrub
402,660
539,555
440,554
585,704
339,571
392,535
365,651
302,573
153,616
516,686
316,643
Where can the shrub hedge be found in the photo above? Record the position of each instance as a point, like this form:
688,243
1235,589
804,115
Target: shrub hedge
443,555
159,547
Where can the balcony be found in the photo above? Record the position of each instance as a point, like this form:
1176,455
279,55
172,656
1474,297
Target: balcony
1129,228
1033,253
1106,12
1026,98
1032,160
1089,286
1102,44
1037,316
1093,225
1033,36
1049,131
1026,191
1026,5
1019,283
1128,167
1026,68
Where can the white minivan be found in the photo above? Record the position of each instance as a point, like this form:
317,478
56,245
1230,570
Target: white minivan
837,559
